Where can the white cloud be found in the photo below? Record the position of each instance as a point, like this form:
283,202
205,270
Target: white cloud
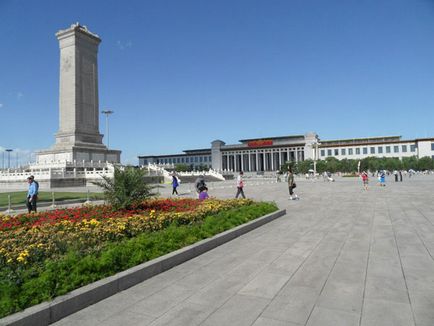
1,105
122,46
19,95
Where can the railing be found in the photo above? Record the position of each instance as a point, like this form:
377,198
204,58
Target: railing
59,171
168,176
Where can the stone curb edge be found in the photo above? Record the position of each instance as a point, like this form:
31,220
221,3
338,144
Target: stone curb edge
48,203
49,312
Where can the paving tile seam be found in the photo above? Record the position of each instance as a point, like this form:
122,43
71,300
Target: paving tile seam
417,231
367,265
207,284
298,268
265,266
402,271
328,275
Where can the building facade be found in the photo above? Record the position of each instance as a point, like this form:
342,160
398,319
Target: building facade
268,154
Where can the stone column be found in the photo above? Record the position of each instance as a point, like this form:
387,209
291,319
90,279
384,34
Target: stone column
250,162
257,160
216,155
264,160
280,157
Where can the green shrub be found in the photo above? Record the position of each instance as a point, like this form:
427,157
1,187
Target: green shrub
126,189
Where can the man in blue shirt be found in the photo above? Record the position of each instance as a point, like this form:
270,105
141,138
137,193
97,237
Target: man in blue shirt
32,194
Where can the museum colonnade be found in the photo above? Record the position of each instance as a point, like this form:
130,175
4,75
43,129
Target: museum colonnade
254,160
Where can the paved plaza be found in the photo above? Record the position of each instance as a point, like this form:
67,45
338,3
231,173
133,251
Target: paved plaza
340,256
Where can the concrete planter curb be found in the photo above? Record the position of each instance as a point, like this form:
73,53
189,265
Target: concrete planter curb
58,203
50,312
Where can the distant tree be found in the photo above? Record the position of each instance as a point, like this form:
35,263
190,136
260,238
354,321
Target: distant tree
321,166
183,167
425,163
201,167
304,166
410,163
332,164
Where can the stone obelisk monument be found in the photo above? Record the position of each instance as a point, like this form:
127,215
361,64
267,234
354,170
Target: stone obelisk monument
78,138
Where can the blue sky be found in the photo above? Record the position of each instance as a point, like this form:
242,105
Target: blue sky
179,74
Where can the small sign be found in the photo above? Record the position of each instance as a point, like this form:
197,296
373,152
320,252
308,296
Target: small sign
260,143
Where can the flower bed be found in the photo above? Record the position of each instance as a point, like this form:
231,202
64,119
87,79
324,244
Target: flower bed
30,238
47,254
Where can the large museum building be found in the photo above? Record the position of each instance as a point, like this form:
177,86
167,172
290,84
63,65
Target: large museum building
268,154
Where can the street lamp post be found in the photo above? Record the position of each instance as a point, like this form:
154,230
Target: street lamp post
107,113
315,155
9,150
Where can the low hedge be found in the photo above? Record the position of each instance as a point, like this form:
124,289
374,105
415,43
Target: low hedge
21,288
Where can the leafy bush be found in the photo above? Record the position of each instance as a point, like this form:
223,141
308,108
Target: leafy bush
126,189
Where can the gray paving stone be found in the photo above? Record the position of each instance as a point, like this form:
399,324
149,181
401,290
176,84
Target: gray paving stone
422,303
419,280
293,304
391,288
329,317
162,301
128,319
261,321
186,313
386,313
342,296
266,285
239,310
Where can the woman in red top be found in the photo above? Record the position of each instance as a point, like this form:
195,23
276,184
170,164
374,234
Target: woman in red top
365,180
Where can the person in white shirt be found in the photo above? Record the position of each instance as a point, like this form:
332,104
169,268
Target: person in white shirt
240,185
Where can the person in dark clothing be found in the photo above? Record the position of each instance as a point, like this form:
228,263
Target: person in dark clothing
200,184
175,184
291,185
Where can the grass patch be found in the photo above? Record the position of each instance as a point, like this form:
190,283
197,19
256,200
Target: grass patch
19,197
23,287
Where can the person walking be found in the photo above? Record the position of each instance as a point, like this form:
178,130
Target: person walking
383,178
32,194
291,185
365,180
240,185
175,184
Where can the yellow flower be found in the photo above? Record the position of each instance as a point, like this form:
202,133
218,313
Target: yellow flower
94,222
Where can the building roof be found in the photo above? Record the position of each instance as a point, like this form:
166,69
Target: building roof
197,151
271,138
366,140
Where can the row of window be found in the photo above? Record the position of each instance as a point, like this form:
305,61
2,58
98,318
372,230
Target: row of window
181,160
364,150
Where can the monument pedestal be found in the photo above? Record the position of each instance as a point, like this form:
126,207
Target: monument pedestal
79,154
